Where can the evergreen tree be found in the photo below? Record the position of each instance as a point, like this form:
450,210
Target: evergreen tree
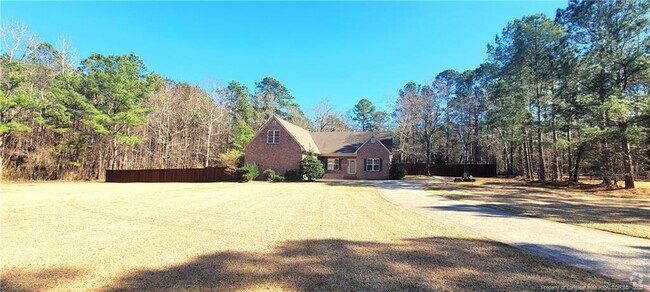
116,87
241,134
614,48
311,168
364,113
18,107
526,54
272,98
238,103
16,99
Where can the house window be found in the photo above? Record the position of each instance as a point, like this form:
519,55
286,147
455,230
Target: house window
333,164
273,137
373,164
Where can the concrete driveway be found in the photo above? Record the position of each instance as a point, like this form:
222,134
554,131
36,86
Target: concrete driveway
617,256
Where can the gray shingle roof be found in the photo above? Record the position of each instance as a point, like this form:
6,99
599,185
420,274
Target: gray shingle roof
348,142
334,142
301,135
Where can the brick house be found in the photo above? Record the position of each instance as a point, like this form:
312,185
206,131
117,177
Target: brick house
281,145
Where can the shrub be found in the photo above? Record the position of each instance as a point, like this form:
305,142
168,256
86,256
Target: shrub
249,172
231,159
269,173
272,175
396,171
311,168
292,175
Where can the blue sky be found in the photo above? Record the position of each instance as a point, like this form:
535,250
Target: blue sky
335,51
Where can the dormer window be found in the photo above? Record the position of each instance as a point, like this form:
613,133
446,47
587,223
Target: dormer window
273,137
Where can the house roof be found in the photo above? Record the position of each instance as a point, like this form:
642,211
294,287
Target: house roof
348,142
334,142
301,135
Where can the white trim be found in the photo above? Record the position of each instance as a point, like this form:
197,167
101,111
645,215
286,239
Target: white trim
355,165
378,164
273,142
259,132
336,166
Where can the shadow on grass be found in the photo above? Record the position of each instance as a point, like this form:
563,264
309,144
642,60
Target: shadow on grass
634,261
556,185
14,280
575,212
523,200
435,263
548,204
480,209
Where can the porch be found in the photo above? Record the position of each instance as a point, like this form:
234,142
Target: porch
340,166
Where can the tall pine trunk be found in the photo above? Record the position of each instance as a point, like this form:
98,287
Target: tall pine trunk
476,150
207,145
541,168
569,151
447,138
528,158
557,173
605,163
428,146
627,161
512,159
576,166
605,156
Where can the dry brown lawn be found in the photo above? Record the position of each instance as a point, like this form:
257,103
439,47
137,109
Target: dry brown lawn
620,211
229,236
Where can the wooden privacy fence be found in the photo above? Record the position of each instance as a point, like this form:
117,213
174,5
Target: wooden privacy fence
477,170
208,174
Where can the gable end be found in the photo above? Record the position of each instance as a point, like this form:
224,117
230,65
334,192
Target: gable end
377,141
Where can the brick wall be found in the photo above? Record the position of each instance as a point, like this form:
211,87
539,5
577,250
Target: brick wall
280,157
373,150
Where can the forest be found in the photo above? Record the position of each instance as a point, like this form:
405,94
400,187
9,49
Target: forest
558,98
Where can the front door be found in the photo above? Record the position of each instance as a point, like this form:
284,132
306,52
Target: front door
352,166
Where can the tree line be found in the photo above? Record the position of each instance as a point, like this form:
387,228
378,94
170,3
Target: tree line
62,122
557,98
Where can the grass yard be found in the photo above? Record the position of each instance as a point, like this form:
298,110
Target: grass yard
620,211
230,236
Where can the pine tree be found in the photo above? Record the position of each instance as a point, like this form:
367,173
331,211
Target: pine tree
612,72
